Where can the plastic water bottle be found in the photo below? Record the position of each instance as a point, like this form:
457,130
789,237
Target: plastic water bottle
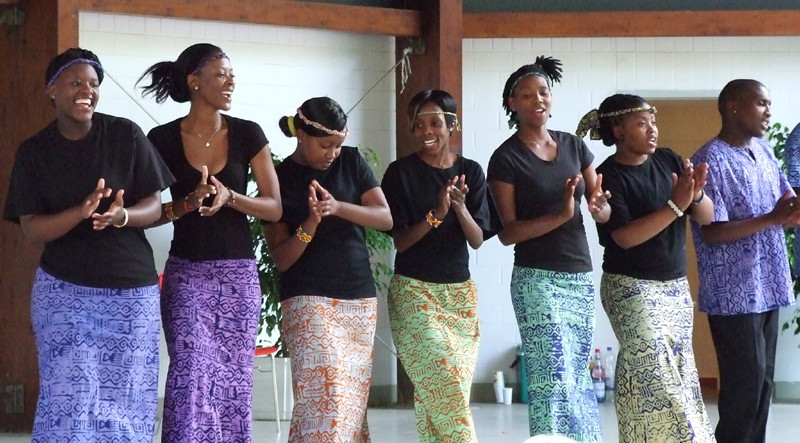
610,365
598,378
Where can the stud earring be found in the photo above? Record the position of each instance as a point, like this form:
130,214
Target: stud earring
196,88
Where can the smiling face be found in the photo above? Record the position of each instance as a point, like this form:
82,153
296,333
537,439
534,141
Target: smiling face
215,83
531,100
75,94
751,112
319,152
431,130
637,137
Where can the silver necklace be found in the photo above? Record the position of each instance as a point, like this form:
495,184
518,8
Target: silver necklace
208,142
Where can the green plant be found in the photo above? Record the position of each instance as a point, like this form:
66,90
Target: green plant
378,244
777,135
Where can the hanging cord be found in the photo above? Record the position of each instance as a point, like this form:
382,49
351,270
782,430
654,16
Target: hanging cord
138,103
405,73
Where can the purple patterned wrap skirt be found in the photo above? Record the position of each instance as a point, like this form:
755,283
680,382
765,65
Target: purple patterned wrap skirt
98,362
210,311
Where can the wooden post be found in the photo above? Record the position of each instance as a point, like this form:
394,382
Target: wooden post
435,64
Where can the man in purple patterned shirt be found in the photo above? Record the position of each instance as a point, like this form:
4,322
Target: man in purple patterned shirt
742,261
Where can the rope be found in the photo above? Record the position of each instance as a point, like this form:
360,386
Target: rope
405,72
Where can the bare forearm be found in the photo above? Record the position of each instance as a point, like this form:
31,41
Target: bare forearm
472,232
726,232
375,217
264,208
644,228
40,229
521,230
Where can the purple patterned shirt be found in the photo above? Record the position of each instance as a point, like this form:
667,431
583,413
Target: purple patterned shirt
750,275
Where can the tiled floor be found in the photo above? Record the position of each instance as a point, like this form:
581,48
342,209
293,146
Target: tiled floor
500,423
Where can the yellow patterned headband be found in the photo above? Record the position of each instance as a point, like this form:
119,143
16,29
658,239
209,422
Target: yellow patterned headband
590,123
452,114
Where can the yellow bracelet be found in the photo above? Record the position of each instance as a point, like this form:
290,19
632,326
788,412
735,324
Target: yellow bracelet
304,236
432,220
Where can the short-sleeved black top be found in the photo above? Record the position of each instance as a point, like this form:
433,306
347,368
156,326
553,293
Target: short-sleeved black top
226,234
52,174
538,191
637,191
336,262
412,189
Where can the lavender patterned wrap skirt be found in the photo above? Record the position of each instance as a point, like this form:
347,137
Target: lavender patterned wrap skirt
210,312
98,362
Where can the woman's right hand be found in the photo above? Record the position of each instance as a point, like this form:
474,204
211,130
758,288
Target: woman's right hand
91,202
568,210
683,186
202,191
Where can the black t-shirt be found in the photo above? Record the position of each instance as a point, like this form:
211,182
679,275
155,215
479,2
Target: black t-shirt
412,189
52,174
538,191
637,191
336,262
226,234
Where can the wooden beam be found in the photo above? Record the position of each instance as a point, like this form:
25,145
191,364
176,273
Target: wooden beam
632,24
359,19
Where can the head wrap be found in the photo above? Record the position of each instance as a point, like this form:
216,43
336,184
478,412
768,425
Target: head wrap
60,70
548,68
591,121
322,128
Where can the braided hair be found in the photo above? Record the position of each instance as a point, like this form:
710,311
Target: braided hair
548,68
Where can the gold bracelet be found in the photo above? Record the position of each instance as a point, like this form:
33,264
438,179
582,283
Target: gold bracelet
124,219
304,236
170,212
432,220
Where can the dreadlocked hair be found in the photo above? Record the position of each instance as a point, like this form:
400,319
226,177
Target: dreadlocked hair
547,67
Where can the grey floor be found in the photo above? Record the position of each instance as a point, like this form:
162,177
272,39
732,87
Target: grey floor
501,423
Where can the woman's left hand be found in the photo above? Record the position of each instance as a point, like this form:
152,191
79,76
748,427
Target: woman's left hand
115,215
458,192
325,205
222,197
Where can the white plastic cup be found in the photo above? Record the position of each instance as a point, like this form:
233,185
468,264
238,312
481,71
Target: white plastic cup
507,395
499,383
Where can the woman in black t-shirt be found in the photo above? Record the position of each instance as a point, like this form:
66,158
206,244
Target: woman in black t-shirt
644,288
440,204
329,196
84,188
211,297
538,178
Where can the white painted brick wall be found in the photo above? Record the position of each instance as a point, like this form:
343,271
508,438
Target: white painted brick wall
277,68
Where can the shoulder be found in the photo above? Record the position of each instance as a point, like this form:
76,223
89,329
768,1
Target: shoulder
240,123
562,137
115,123
165,130
711,151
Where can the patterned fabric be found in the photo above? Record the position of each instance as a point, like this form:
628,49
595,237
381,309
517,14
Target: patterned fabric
791,157
555,314
658,396
98,362
210,311
750,275
330,342
436,331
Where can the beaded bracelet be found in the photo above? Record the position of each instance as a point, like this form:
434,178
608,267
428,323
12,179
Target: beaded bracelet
675,208
170,212
124,219
432,220
304,236
232,201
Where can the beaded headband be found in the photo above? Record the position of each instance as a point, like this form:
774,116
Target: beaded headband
216,57
452,114
67,65
590,123
321,127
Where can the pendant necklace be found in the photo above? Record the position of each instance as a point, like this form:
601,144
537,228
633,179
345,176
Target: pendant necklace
208,142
